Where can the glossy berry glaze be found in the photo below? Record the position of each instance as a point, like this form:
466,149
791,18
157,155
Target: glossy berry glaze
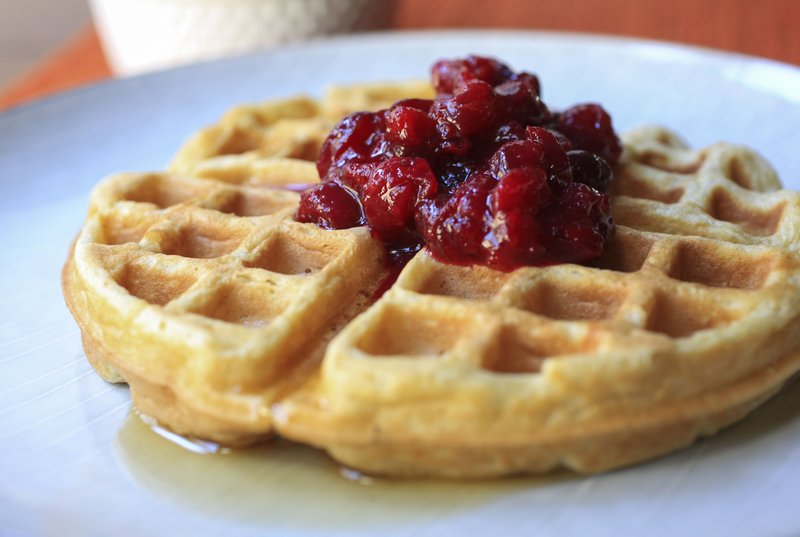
482,174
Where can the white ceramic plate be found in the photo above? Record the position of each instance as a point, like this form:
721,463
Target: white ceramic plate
74,460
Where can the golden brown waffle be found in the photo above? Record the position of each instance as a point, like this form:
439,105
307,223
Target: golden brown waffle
688,322
292,128
198,289
207,298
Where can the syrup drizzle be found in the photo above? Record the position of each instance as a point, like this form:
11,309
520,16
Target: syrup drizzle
298,489
194,445
288,485
295,187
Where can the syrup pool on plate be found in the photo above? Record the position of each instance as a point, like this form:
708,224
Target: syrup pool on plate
281,484
285,483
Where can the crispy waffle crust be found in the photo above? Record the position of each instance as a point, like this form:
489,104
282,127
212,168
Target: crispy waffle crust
196,287
230,321
207,297
292,128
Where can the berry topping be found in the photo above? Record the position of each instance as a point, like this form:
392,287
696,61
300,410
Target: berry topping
519,99
588,126
391,196
331,206
482,174
448,75
517,154
455,230
408,125
357,138
554,146
470,110
589,169
521,189
579,222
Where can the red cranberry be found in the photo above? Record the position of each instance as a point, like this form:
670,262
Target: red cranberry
484,173
331,206
517,154
530,80
455,230
554,154
515,236
391,196
448,75
589,127
514,239
353,175
454,171
410,127
589,169
470,110
423,105
519,100
580,222
508,132
521,189
357,138
577,242
562,140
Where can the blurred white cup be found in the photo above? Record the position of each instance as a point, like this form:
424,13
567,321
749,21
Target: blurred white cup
147,35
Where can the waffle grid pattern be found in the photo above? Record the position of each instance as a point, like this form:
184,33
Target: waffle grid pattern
290,128
689,299
230,321
226,269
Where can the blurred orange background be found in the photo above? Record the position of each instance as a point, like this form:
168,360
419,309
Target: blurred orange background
767,28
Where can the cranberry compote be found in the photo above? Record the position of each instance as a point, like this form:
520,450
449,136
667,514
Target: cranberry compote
483,174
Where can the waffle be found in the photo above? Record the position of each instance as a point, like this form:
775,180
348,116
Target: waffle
231,321
292,128
207,298
204,268
687,323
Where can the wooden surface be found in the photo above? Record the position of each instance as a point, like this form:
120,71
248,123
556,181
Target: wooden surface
765,28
